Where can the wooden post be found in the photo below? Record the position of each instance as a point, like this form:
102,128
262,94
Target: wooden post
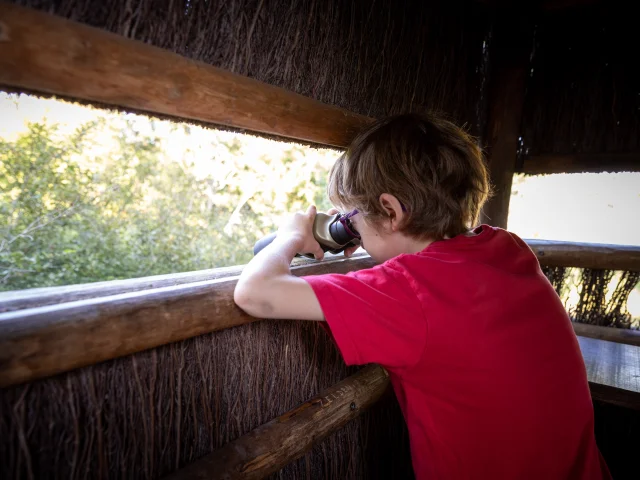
509,64
279,442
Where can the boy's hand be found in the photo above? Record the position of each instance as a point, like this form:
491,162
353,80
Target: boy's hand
300,229
347,251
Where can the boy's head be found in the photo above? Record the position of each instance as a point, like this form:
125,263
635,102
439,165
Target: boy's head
410,176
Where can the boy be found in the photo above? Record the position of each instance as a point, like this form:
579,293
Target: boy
478,346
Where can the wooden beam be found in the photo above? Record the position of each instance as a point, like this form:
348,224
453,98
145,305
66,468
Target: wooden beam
581,162
279,442
44,53
509,61
586,255
613,370
43,341
67,329
610,334
550,253
40,297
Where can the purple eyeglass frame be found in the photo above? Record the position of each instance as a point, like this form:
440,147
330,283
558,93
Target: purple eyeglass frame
346,223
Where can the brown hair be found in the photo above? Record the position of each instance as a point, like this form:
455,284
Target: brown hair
434,168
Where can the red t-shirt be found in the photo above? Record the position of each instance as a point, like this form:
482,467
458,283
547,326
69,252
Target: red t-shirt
481,355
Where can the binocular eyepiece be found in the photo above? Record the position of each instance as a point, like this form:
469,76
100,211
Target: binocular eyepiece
334,233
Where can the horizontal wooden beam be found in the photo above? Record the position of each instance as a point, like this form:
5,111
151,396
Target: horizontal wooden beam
40,297
279,442
550,253
68,328
581,163
44,53
586,255
610,334
43,341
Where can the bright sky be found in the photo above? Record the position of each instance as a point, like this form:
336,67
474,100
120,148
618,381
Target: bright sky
600,208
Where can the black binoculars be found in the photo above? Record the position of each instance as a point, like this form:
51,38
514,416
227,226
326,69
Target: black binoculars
334,233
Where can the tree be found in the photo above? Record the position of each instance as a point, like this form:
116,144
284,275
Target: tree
107,202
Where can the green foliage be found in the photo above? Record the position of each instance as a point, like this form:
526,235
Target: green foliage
105,202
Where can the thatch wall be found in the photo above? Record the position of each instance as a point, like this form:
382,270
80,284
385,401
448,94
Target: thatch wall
583,91
148,414
373,58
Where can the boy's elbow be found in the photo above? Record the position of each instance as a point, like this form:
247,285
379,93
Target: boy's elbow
250,301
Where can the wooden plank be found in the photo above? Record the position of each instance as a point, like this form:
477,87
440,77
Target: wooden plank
43,341
279,442
586,255
56,337
549,253
617,335
39,297
613,370
581,162
43,53
509,52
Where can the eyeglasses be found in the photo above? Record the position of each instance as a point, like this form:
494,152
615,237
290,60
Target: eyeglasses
346,222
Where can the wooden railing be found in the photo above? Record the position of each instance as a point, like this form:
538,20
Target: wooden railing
48,331
44,332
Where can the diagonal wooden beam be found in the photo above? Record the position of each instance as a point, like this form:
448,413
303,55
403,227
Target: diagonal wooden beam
286,438
44,53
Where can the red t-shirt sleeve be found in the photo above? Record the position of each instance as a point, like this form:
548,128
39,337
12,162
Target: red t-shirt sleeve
374,316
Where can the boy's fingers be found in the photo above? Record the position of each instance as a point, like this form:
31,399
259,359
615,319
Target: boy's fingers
311,210
349,251
319,253
333,211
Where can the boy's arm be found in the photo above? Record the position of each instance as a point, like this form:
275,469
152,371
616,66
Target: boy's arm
266,287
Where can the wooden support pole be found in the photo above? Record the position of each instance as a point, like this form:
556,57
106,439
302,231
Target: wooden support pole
581,162
509,62
44,53
279,442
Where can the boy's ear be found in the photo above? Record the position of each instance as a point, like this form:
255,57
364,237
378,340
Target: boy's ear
393,207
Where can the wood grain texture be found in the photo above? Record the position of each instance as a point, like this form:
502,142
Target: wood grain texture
586,255
581,162
42,341
549,253
617,335
613,370
45,53
273,445
76,331
39,297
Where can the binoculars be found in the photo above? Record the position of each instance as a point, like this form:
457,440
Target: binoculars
334,233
